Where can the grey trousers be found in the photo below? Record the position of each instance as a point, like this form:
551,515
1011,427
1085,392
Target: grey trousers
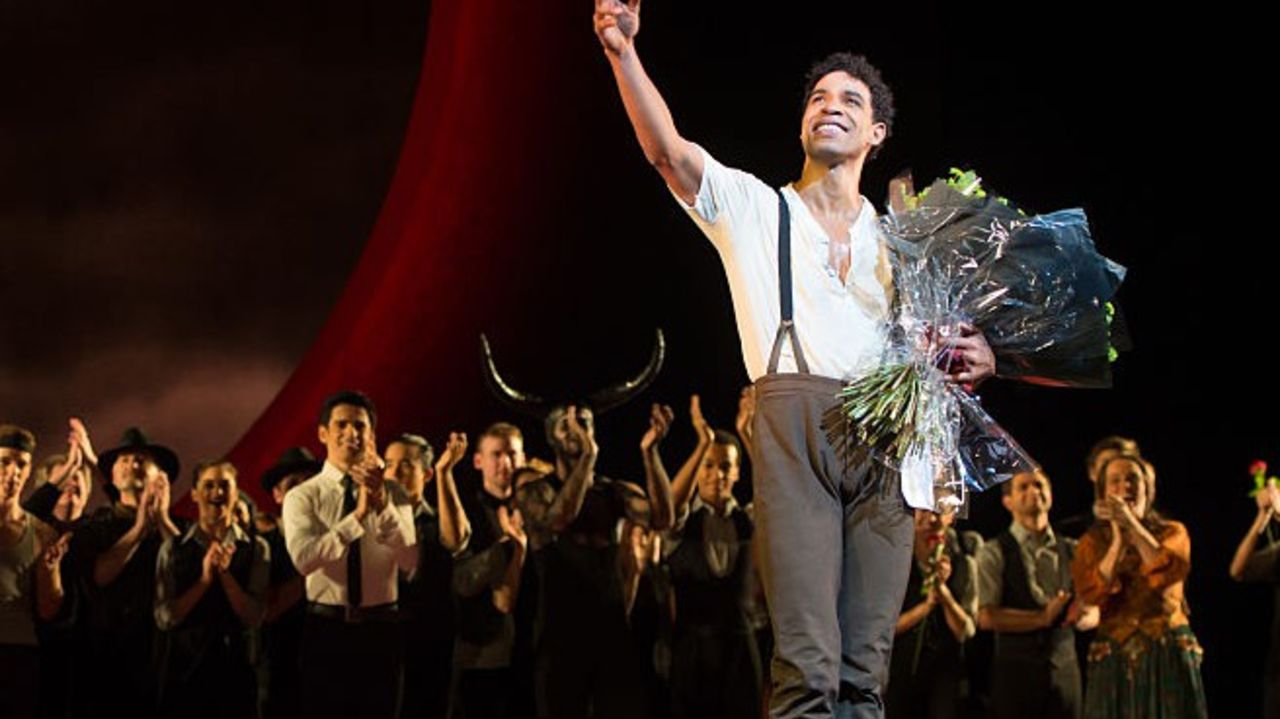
835,554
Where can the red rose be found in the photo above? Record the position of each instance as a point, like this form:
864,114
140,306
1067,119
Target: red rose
1258,467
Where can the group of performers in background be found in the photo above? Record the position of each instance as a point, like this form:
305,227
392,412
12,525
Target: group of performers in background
544,589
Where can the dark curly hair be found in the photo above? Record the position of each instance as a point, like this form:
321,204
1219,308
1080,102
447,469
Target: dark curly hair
859,68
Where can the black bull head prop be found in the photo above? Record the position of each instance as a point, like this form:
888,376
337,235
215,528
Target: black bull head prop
599,402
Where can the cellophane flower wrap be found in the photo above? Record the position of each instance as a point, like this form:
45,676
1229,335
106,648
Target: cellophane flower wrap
1034,286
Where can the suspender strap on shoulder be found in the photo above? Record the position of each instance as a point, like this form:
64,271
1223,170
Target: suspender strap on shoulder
784,257
787,328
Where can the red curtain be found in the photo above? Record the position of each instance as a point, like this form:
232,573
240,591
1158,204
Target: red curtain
475,170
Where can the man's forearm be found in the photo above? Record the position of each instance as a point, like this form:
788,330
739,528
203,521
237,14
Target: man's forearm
1107,567
958,620
168,529
505,595
911,618
661,509
1240,561
682,485
248,608
1013,621
455,528
675,158
42,502
568,502
108,566
49,591
170,614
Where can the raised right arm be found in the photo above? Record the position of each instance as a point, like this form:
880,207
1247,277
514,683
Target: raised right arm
676,159
1246,565
684,484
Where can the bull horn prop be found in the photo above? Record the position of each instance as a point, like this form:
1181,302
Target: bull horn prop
619,394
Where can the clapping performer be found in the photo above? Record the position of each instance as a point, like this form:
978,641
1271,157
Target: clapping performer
350,533
211,590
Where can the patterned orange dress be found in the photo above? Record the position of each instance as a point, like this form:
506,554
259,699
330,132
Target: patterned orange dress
1145,661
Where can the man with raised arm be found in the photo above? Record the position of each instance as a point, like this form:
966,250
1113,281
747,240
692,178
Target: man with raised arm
426,598
835,536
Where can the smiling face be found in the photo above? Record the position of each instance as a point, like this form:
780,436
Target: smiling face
718,473
216,494
131,472
347,436
1126,479
1029,495
839,123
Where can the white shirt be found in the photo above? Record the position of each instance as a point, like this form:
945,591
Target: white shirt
842,327
317,535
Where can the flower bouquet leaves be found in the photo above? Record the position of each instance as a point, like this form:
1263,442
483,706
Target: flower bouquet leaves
1037,289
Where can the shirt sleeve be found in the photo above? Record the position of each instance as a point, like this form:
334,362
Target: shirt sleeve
726,197
990,565
42,502
395,525
1085,577
311,543
1172,563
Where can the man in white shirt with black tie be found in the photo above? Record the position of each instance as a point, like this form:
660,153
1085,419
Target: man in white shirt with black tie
350,534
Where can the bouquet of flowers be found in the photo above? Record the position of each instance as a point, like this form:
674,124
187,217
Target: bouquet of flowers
1035,287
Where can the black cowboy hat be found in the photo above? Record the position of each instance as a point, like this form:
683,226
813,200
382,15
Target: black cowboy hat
293,461
135,440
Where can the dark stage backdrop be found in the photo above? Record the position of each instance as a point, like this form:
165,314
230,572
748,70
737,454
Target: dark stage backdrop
203,212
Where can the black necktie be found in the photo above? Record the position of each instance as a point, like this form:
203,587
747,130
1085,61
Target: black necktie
353,550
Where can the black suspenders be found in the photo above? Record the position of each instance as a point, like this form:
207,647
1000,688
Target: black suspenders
788,326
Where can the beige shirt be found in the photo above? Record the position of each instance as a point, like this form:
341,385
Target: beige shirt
842,326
